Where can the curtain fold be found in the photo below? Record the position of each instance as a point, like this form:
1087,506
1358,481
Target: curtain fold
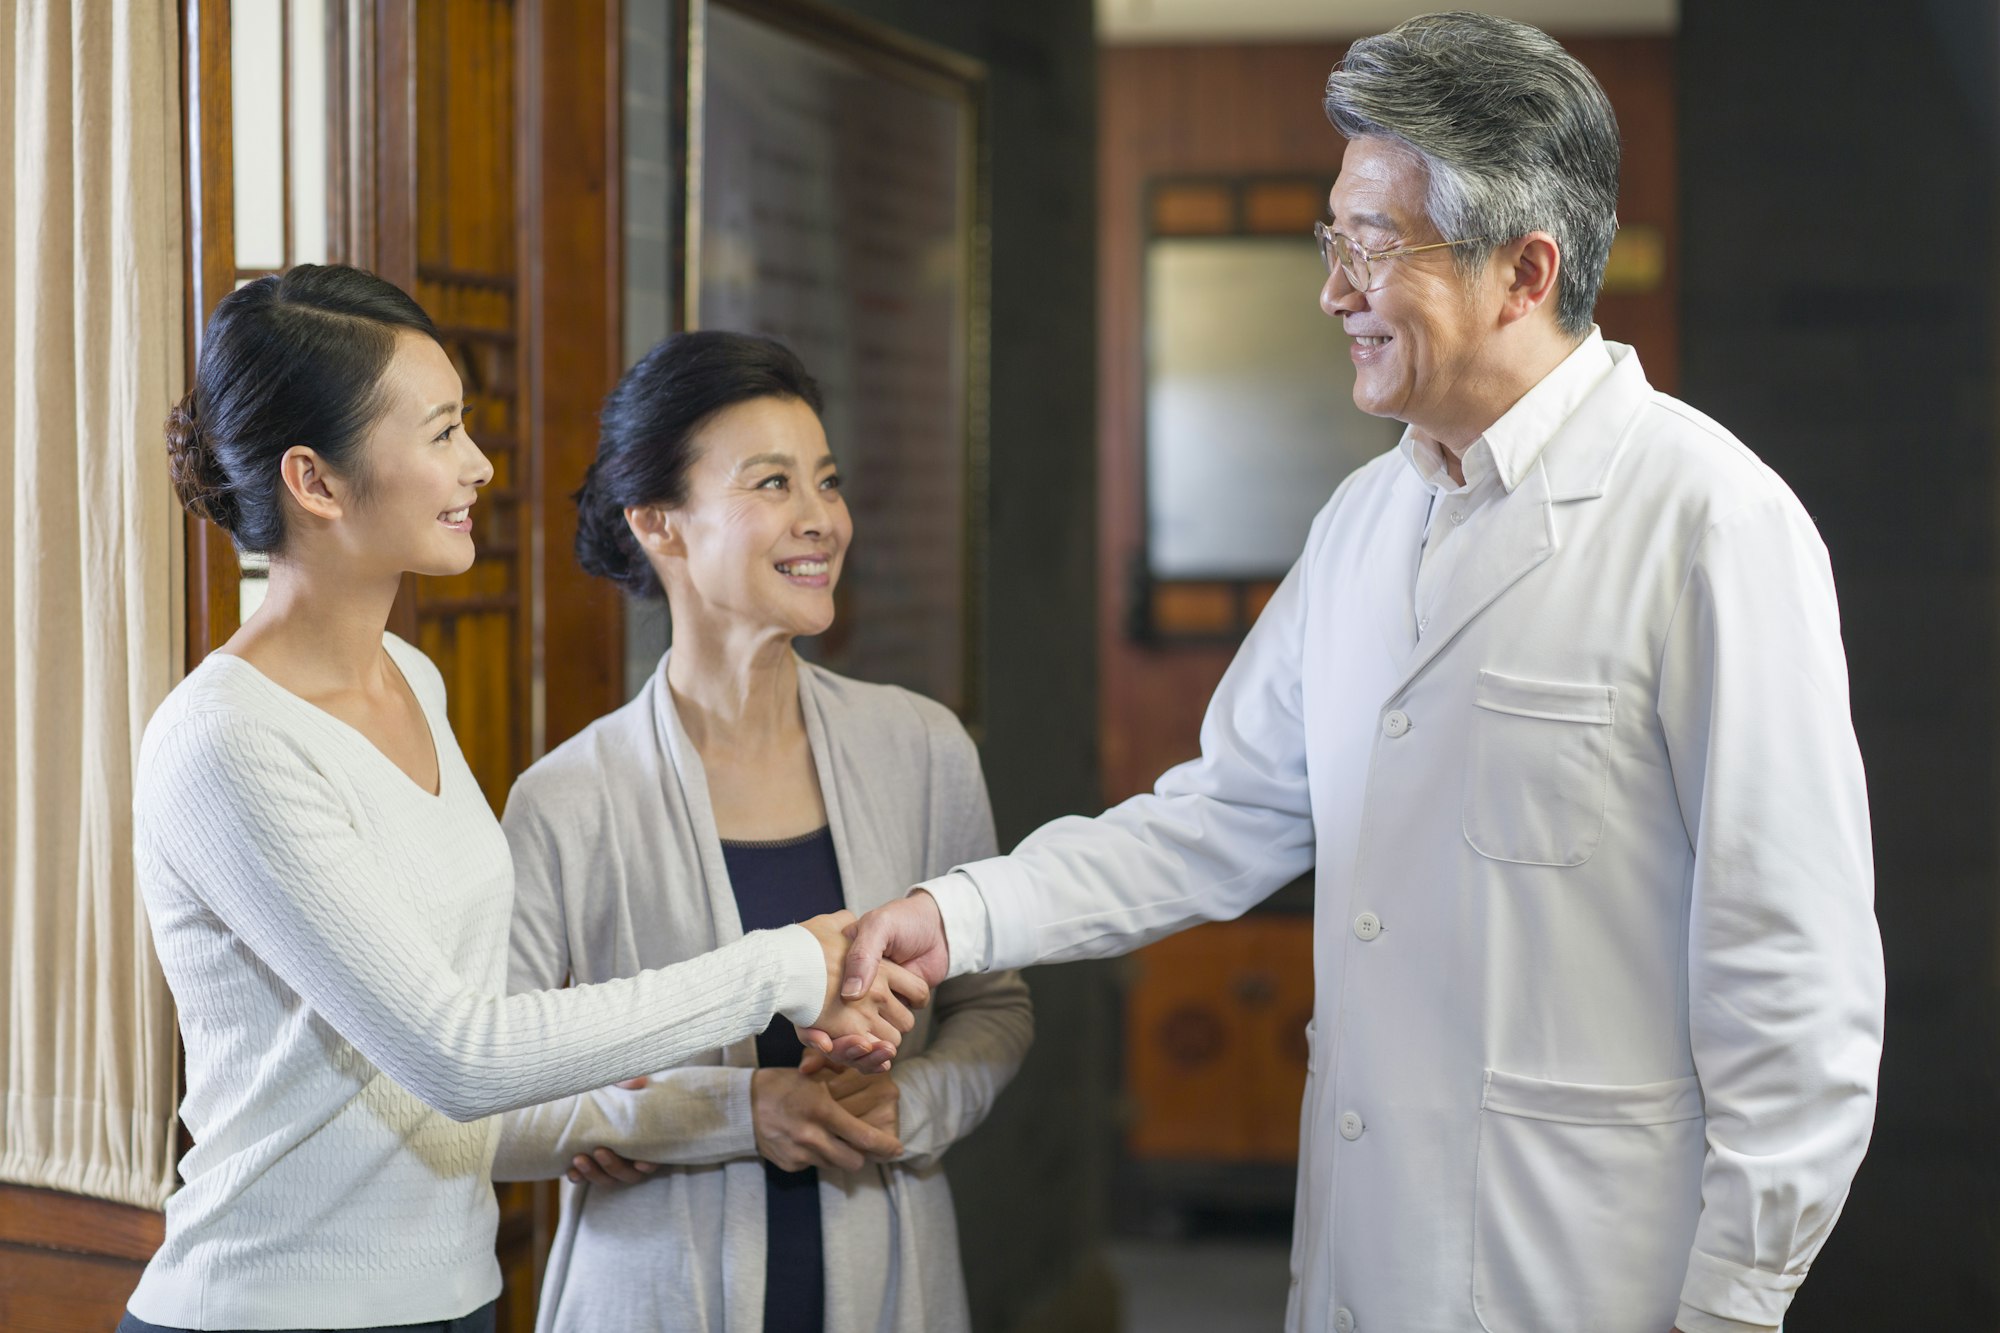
91,357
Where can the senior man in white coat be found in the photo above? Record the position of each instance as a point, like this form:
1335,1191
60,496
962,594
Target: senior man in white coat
1554,704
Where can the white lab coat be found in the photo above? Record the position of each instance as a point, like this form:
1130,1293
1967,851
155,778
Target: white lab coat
1599,985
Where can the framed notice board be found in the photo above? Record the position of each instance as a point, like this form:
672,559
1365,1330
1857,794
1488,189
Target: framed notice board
835,200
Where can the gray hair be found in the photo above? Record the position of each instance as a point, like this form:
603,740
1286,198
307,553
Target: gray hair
1515,133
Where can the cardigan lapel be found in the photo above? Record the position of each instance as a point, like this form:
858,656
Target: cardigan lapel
691,786
820,741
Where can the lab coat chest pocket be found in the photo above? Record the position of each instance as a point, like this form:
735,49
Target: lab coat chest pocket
1539,769
1586,1200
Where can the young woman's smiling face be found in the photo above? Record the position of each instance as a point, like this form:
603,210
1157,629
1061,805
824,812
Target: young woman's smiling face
409,506
760,538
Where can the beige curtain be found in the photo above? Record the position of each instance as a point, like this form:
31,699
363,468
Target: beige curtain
90,360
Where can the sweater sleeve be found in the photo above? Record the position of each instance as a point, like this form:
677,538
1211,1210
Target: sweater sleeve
983,1025
684,1117
235,810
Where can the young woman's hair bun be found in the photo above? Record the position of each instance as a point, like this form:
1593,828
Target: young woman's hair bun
199,481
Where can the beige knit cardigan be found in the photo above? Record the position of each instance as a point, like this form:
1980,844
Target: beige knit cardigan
618,869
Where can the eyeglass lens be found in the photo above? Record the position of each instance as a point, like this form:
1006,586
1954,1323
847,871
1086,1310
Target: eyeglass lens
1336,249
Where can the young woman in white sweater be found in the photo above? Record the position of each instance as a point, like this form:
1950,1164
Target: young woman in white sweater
329,892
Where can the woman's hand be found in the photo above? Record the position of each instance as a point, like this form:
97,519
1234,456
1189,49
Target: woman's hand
799,1122
601,1166
604,1167
867,1098
861,1032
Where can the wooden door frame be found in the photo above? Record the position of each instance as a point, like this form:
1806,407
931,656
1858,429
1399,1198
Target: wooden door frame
208,251
571,169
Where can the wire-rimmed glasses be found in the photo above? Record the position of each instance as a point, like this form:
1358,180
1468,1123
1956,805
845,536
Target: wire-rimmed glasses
1358,262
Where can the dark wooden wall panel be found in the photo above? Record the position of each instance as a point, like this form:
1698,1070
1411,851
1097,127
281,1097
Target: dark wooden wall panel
1869,384
1250,110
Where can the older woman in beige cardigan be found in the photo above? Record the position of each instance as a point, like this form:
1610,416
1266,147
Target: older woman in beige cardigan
715,484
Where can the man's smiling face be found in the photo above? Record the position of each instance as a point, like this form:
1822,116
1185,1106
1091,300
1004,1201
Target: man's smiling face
1419,331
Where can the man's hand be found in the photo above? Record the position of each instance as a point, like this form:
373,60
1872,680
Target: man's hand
909,931
861,1030
800,1123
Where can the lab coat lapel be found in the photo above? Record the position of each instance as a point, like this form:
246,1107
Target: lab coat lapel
1576,465
1522,536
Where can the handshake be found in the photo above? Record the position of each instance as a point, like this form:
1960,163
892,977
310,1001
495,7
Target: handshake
880,968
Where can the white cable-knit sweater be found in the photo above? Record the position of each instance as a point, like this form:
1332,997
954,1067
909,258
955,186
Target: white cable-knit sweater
336,938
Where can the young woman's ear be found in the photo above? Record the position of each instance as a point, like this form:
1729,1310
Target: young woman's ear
312,486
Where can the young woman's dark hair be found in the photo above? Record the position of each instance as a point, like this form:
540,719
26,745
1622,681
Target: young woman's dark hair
645,436
294,358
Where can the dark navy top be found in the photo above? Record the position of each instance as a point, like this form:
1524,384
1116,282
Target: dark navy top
778,884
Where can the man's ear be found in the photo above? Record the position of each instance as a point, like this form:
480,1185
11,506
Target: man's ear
654,527
313,486
1534,262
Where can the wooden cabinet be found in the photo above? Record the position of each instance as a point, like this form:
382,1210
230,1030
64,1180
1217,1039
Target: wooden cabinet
1215,1039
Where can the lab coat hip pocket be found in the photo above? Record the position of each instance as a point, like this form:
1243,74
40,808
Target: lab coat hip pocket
1539,771
1585,1203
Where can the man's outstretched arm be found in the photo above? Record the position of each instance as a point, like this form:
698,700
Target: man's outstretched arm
1217,835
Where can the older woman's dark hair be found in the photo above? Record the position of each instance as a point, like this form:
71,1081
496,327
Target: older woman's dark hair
645,438
294,358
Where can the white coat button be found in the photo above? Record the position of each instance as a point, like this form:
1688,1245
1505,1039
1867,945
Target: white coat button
1343,1320
1396,723
1458,516
1350,1125
1367,926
